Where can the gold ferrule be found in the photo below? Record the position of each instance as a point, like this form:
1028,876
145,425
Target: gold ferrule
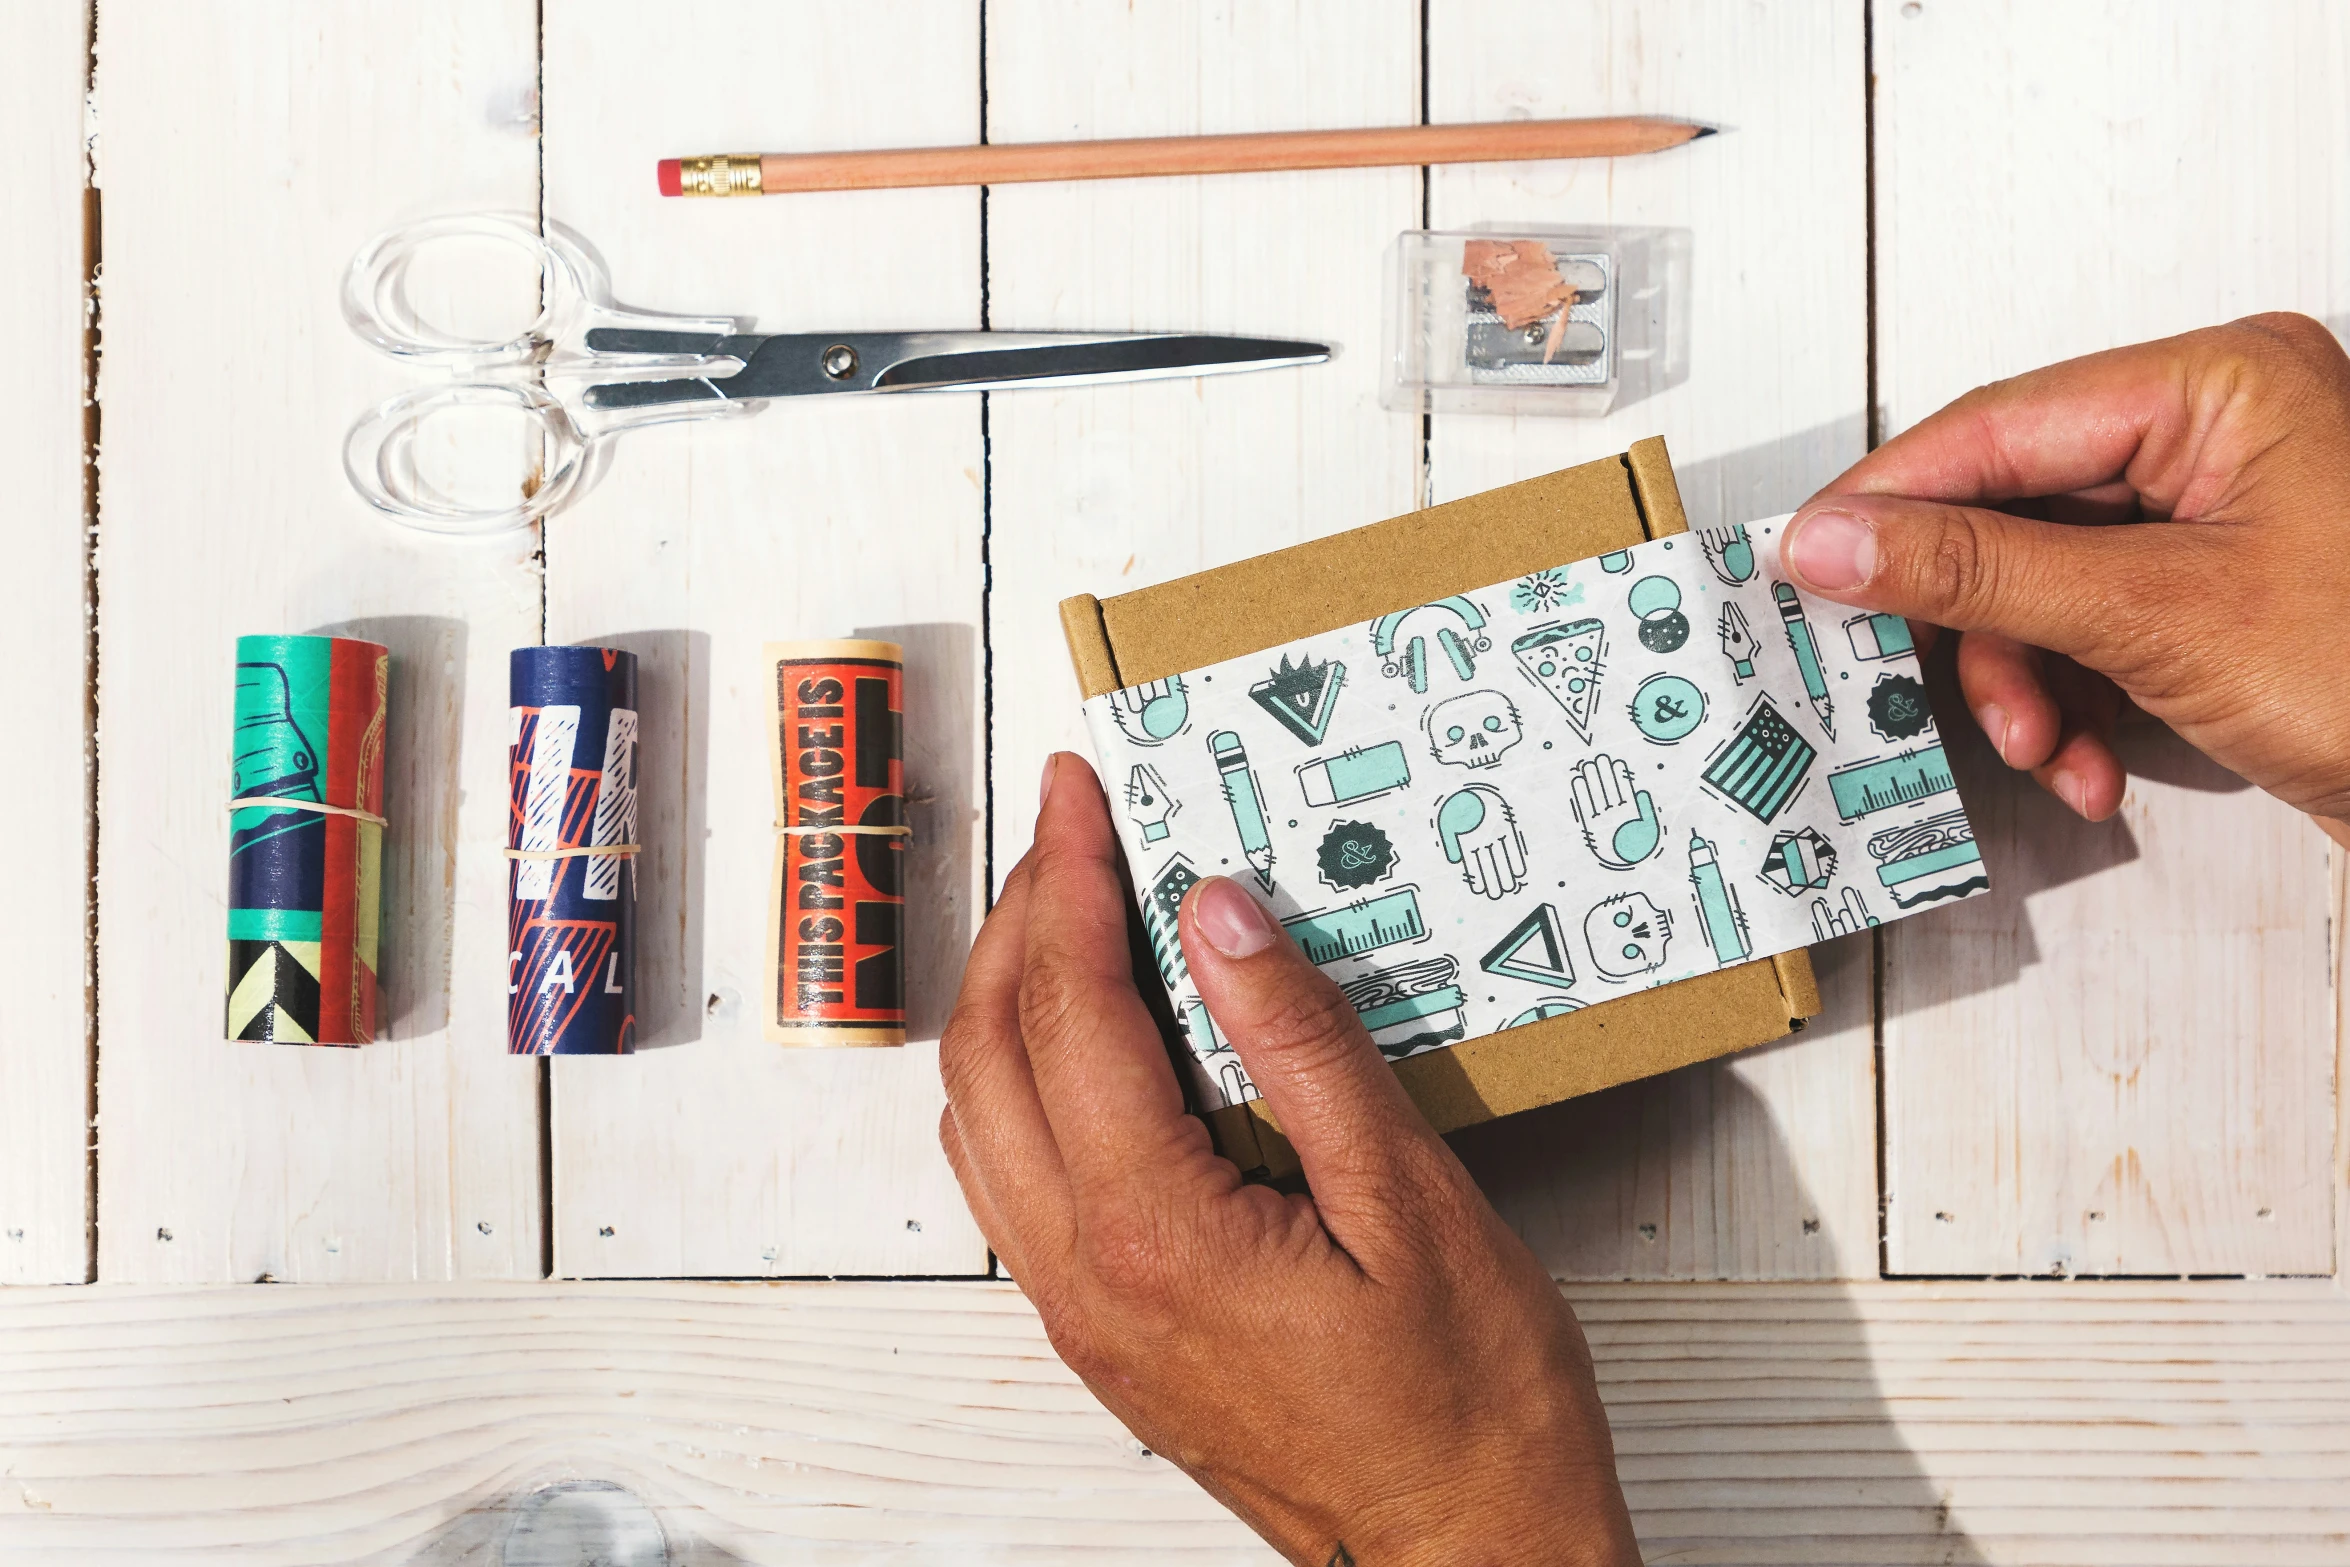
726,174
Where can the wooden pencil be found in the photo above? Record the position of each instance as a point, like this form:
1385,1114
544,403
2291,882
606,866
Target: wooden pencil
1503,141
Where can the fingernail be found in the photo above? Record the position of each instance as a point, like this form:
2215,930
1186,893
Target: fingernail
1234,923
1044,785
1833,550
1995,724
2072,791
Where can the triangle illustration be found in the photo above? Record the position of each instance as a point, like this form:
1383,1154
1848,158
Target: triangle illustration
1302,696
1533,950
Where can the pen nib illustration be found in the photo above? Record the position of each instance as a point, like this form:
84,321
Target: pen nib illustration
1148,805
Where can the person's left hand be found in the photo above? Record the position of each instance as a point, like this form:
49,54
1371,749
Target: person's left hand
1378,1373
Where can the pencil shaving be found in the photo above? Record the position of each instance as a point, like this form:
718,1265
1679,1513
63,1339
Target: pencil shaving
1523,281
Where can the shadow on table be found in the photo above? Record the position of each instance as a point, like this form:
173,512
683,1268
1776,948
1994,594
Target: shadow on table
569,1523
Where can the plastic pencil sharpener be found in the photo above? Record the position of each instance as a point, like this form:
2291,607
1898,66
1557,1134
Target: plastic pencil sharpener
1508,322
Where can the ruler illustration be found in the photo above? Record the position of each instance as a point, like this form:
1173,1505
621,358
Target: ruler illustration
1894,780
1355,928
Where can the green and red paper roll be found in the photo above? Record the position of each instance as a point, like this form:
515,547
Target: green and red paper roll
306,839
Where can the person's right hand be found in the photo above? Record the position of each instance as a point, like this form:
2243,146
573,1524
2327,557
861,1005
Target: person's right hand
2168,522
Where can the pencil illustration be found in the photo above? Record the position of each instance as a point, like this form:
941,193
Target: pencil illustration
1807,655
1247,802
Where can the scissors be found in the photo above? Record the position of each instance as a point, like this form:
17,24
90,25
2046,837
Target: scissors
586,368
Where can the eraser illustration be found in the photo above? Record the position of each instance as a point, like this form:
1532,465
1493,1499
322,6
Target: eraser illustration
1354,776
1878,636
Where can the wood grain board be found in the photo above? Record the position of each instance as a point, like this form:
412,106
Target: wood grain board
1872,1423
44,1037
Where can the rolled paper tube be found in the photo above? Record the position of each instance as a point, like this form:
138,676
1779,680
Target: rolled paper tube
304,876
571,916
836,901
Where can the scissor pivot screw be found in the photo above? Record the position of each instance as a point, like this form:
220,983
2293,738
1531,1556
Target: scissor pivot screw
840,361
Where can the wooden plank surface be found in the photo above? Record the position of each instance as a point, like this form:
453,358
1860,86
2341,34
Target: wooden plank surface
1875,1423
1762,1166
2121,1061
44,1042
242,167
712,1151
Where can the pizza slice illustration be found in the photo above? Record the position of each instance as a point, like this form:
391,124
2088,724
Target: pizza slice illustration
1566,660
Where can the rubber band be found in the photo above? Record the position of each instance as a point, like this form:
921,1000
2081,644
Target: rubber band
275,802
870,832
585,851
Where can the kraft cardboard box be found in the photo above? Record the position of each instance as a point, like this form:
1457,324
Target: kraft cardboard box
1252,605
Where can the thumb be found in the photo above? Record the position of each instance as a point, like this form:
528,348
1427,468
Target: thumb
1364,1145
2079,591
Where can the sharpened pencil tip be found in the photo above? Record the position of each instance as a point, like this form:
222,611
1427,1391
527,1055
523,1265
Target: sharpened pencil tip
1706,130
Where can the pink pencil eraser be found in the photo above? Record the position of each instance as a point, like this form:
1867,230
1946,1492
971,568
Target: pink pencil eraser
672,177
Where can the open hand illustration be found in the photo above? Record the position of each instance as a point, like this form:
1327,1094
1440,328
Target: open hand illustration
1152,714
1619,821
1482,838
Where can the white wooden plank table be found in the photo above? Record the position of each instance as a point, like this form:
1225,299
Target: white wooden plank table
2125,1062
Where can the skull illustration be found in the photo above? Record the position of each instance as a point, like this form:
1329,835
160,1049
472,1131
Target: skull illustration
1627,934
1472,729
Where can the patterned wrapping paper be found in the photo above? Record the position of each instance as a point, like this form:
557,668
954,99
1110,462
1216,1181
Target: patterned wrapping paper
1540,795
305,891
571,918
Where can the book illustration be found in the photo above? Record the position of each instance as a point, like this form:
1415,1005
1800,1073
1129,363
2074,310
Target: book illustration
1480,835
1799,861
1729,552
1656,603
1162,914
1545,592
1548,1006
1738,644
1148,804
1878,636
1352,929
1719,917
1460,638
1567,661
1353,776
1666,708
1850,919
1152,714
1866,788
1473,729
1247,803
1762,766
1535,950
1926,861
1618,817
1354,855
1807,656
1897,708
1302,696
1627,935
1411,1007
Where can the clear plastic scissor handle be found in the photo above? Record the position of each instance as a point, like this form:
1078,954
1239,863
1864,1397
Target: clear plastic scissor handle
502,444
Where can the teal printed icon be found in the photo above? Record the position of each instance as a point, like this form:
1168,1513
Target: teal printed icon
1878,636
1566,661
1545,592
1617,817
1897,707
1799,862
1411,1007
1200,1029
1473,729
1718,913
1615,562
1628,935
1161,917
1849,920
1666,708
1928,860
1247,802
1763,764
1353,776
1461,641
1232,1078
1807,656
1302,696
1481,836
1152,714
1547,1007
1354,855
1738,644
1729,552
1868,787
1148,804
1656,603
1535,950
1349,931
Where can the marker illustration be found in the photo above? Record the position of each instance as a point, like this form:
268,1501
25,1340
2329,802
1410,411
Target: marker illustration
1247,802
1807,655
1717,904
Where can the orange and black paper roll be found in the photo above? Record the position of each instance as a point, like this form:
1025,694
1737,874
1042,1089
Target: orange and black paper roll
836,902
